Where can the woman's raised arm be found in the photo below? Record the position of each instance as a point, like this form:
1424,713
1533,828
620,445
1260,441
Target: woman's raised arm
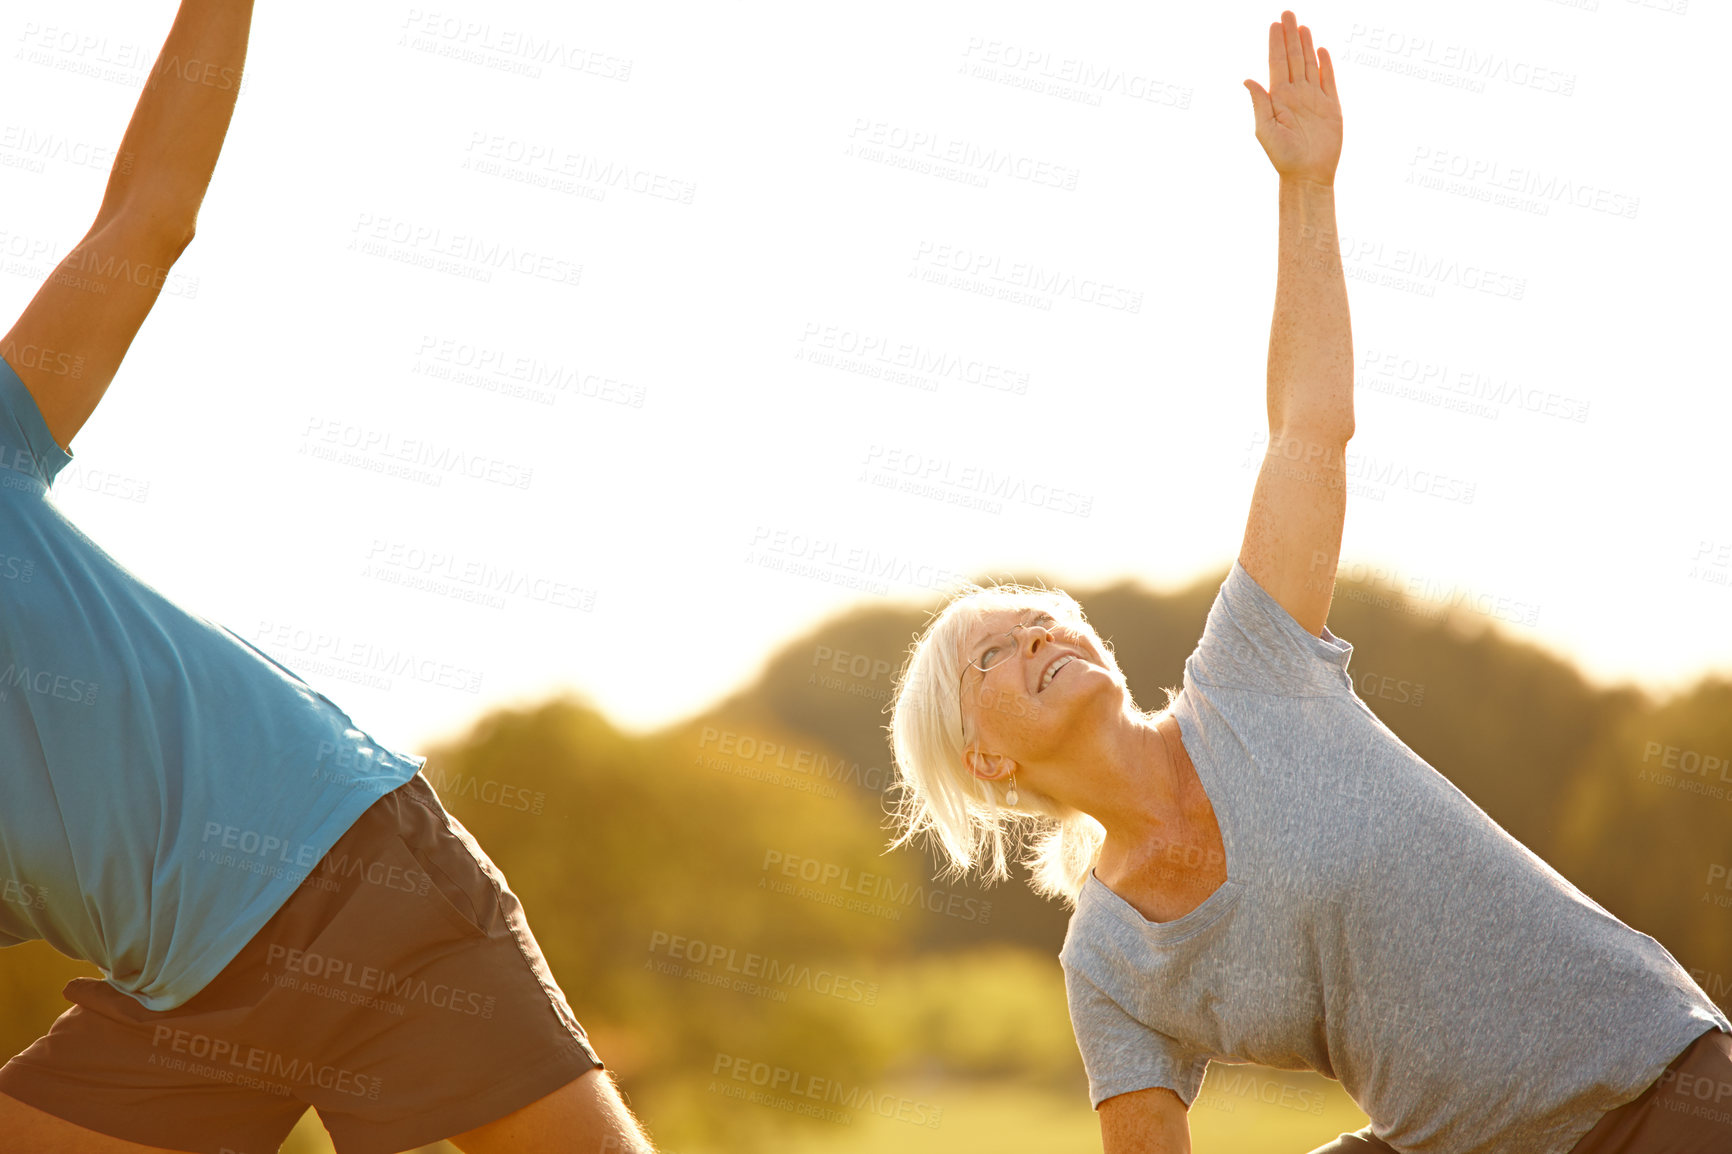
1292,539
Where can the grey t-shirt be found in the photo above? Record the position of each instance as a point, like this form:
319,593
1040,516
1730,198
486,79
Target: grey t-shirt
1375,926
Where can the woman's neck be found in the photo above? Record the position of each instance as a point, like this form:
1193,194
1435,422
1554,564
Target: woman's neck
1170,856
1130,783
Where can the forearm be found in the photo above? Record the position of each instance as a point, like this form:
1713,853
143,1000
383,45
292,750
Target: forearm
1310,339
171,145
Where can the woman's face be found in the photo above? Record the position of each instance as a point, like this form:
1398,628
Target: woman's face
1047,678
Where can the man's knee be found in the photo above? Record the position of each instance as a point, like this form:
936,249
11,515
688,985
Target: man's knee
585,1116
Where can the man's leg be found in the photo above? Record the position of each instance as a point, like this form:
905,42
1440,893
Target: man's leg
585,1116
27,1128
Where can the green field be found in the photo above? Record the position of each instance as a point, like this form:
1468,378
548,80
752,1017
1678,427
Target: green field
1242,1110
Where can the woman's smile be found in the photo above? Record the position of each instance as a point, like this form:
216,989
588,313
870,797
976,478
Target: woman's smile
1064,659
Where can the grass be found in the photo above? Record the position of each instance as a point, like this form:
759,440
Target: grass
309,1137
1242,1110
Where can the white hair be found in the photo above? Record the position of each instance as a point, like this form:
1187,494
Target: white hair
939,797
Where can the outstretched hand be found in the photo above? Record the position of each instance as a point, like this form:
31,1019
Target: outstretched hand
1298,116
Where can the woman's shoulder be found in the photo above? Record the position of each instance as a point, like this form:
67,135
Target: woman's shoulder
1105,932
1085,915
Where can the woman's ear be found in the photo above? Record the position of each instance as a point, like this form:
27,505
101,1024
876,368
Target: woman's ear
988,766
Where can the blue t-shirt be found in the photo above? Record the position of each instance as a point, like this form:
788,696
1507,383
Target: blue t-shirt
164,785
1375,926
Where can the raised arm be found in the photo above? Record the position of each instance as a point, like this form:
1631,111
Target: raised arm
71,338
1292,539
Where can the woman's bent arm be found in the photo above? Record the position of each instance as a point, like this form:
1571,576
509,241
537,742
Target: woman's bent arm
1151,1121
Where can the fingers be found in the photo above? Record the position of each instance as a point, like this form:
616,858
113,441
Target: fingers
1294,52
1326,73
1292,56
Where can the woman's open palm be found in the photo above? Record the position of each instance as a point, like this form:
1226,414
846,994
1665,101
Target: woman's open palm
1298,116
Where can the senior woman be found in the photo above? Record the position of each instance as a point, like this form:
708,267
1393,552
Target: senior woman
1263,872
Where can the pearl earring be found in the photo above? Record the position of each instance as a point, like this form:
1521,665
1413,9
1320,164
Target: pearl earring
1010,798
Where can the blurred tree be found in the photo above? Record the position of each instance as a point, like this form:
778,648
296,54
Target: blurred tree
719,890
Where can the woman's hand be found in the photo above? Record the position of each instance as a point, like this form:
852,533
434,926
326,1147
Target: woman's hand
1298,117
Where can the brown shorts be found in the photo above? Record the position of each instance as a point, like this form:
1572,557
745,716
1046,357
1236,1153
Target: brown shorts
398,991
1687,1110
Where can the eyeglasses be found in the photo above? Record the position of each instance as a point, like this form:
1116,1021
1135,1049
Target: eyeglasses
995,651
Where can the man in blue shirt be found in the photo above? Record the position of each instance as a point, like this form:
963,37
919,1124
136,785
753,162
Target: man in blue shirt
260,882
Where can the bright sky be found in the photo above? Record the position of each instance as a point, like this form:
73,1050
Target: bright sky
693,292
